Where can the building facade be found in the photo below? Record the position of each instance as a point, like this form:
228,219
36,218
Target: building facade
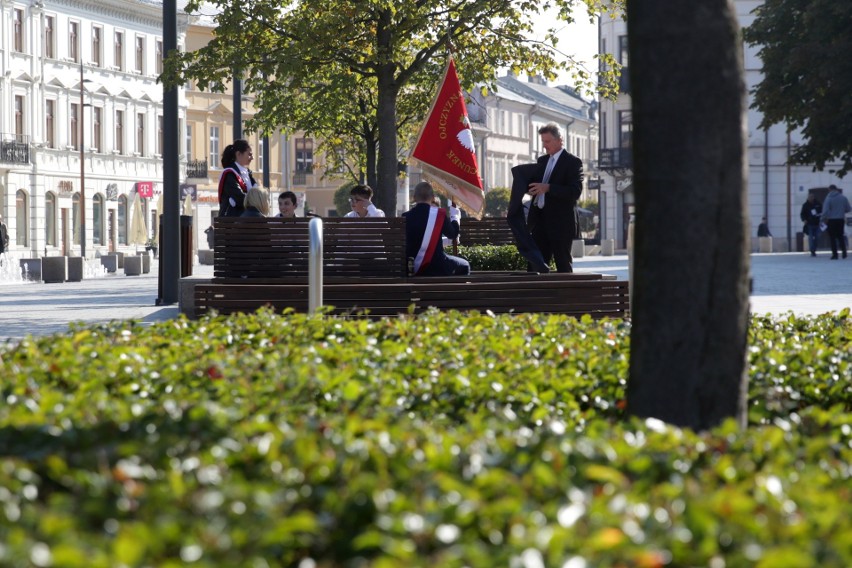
81,119
775,190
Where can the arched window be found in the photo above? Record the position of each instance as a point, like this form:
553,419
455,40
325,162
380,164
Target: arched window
75,217
50,219
98,219
122,219
21,218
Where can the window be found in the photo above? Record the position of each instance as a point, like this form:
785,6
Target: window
603,130
122,220
98,219
18,23
19,115
159,55
75,218
140,133
47,48
49,115
97,47
625,128
140,53
214,146
119,50
304,155
74,128
119,131
188,141
623,56
74,41
259,155
22,218
50,219
160,134
97,124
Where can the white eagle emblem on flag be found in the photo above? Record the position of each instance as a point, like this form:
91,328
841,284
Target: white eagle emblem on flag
465,136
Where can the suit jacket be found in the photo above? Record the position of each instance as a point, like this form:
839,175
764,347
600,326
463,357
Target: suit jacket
416,220
566,185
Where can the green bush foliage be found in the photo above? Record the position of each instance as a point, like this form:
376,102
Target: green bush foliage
445,439
504,257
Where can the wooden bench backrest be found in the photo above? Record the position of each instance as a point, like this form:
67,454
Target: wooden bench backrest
273,247
485,231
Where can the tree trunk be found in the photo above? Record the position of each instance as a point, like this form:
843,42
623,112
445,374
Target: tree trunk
691,264
387,92
370,150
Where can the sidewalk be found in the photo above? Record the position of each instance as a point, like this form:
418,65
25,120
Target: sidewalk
783,282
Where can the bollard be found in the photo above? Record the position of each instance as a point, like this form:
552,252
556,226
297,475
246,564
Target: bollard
315,265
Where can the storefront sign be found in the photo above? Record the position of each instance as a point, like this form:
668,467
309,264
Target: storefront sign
145,188
66,186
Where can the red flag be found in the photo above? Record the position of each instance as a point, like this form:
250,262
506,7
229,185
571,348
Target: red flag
445,149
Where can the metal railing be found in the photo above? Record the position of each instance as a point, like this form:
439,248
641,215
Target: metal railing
196,168
300,178
15,148
616,159
315,265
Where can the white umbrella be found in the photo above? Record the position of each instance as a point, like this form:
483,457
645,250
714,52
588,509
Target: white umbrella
187,204
138,228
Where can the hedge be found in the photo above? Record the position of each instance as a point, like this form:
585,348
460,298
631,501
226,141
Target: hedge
445,439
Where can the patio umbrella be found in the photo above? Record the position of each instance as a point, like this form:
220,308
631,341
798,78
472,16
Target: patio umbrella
187,204
138,229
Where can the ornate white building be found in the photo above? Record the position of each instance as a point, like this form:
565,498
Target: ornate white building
50,121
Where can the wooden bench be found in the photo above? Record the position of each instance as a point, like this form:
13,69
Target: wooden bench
264,262
485,231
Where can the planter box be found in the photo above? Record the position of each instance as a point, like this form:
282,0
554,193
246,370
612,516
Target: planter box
110,262
146,262
205,257
31,268
120,257
133,266
54,269
75,268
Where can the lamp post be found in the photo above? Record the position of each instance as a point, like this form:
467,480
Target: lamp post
82,171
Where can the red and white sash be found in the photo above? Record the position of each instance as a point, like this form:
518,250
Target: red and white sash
240,181
431,237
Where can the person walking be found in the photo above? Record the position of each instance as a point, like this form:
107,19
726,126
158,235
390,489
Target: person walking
811,211
4,239
552,218
763,228
834,210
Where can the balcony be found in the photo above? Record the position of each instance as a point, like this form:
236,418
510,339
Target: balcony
15,148
196,169
616,159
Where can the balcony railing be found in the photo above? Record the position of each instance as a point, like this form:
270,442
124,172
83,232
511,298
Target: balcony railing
616,159
15,148
300,178
196,169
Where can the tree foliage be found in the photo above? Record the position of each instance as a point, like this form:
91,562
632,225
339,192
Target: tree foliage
497,202
806,48
360,75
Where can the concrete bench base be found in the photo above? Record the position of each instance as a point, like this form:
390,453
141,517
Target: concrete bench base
765,244
608,247
54,269
578,248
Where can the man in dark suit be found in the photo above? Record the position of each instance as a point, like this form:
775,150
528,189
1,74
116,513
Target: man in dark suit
425,224
552,218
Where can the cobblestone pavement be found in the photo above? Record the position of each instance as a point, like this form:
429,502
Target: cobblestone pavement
783,282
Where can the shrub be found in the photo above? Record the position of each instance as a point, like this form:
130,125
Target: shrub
504,257
445,439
